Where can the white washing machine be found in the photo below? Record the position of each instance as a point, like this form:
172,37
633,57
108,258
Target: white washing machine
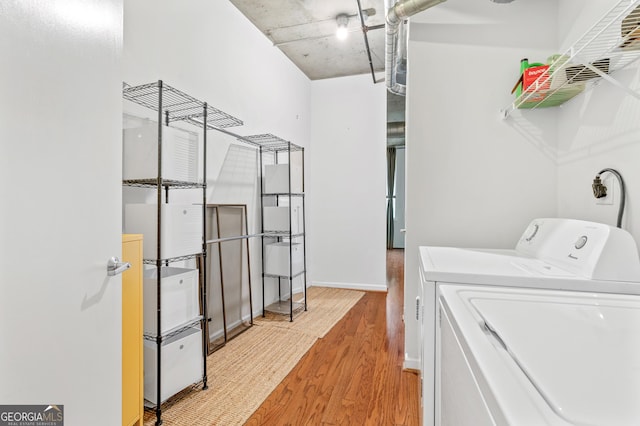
526,357
555,254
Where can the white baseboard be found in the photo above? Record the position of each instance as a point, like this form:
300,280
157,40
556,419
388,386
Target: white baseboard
352,286
411,363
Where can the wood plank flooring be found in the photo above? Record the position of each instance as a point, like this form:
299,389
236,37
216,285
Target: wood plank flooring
353,376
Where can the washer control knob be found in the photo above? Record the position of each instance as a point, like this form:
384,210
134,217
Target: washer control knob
531,232
581,242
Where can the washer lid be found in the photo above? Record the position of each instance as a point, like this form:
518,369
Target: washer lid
581,354
473,263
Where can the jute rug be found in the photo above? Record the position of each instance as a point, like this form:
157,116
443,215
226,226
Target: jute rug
244,372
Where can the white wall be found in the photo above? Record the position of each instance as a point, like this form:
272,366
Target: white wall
599,129
568,145
347,176
473,180
60,314
209,50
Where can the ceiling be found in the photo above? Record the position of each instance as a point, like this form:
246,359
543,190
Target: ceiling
305,31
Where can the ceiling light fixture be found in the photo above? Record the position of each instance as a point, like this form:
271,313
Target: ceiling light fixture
342,20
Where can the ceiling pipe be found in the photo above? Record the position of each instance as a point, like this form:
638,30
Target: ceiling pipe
395,129
395,133
400,11
366,40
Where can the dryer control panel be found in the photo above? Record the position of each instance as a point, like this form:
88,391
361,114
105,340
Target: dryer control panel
588,249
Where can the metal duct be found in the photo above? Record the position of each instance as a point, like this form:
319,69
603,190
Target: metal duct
395,129
395,15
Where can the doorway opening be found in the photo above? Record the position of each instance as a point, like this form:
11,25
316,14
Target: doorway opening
395,171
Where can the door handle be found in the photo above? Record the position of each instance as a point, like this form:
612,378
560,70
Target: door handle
115,267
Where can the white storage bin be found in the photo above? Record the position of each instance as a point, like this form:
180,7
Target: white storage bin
178,298
181,228
181,364
276,179
276,258
179,153
277,219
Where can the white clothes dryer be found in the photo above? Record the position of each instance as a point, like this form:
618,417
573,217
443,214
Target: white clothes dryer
553,254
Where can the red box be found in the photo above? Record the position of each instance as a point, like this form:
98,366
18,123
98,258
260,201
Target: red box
530,76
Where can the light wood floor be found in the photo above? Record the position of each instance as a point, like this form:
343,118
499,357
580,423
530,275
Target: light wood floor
353,376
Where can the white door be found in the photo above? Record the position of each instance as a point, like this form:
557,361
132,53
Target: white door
60,206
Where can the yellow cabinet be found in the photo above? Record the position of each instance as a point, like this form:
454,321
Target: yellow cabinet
132,376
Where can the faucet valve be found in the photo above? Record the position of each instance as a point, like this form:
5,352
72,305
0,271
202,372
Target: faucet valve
599,190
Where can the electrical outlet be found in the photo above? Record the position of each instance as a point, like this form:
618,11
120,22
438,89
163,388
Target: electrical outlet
611,191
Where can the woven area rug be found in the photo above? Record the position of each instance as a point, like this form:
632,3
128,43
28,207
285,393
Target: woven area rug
247,369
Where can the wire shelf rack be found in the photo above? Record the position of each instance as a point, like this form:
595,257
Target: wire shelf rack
274,234
153,183
177,105
283,276
610,45
173,105
292,194
187,392
174,332
283,307
270,142
171,259
216,119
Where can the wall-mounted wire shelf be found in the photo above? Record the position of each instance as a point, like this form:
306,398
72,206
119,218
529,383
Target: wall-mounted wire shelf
610,45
